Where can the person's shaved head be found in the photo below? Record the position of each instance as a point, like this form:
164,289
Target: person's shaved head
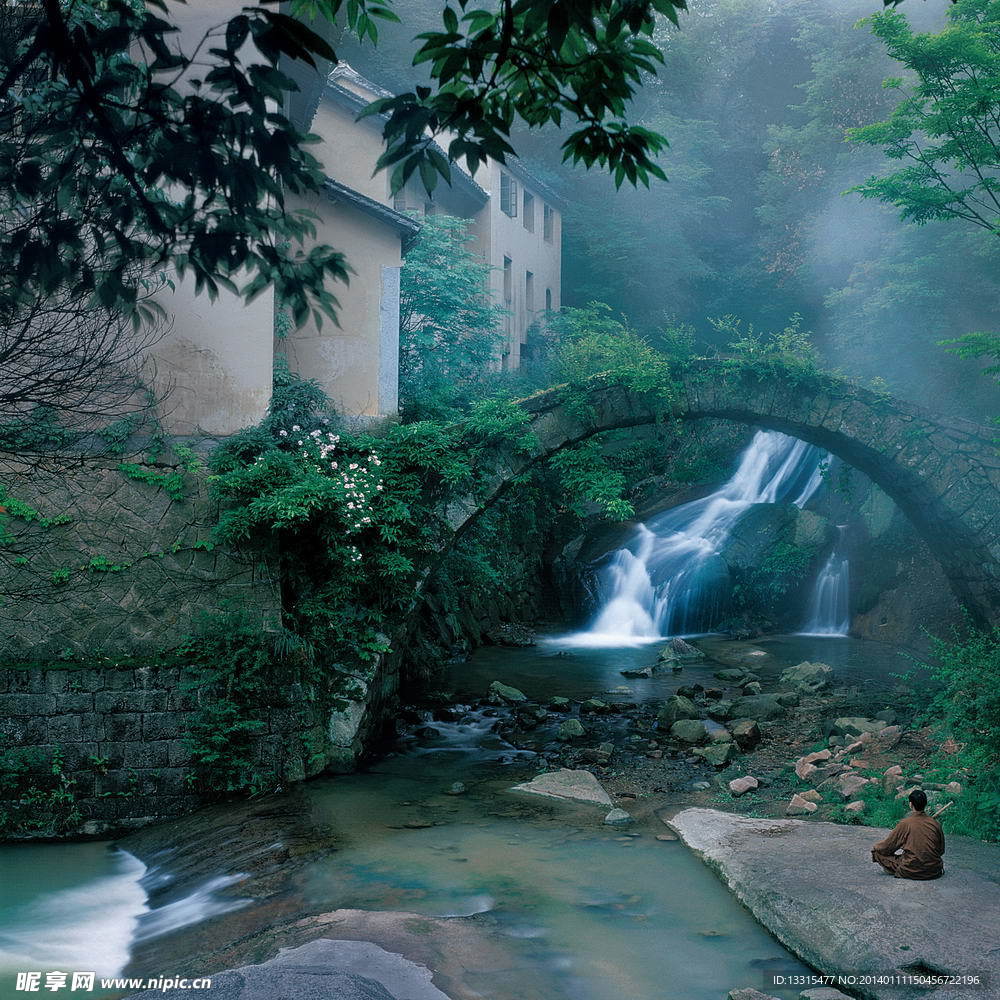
918,799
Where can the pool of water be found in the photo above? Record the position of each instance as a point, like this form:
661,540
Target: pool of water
590,911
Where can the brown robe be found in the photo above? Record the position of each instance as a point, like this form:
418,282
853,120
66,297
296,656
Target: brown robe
922,841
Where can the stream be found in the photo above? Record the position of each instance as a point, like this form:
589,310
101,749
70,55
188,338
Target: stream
587,912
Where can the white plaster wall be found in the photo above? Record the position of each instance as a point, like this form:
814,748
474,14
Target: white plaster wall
347,360
498,236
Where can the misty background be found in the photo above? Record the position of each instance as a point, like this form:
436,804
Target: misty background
754,224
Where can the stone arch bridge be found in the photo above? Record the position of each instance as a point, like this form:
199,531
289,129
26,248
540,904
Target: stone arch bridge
944,474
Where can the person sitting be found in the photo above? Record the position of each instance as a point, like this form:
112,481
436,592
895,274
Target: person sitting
921,840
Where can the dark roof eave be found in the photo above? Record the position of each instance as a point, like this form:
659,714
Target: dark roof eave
341,192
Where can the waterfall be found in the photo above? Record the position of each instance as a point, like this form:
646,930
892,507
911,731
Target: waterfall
829,610
669,579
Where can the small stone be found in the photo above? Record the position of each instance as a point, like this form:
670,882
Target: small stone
761,707
665,837
787,698
811,796
504,694
857,807
747,993
854,725
458,788
805,767
887,738
752,688
892,778
571,729
823,993
700,786
595,705
740,786
716,754
952,788
559,704
655,754
618,817
849,784
798,806
746,732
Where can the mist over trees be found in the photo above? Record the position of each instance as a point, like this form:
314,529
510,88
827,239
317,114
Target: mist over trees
756,98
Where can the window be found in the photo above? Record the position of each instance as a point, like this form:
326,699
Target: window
548,300
508,279
529,291
508,195
528,212
548,223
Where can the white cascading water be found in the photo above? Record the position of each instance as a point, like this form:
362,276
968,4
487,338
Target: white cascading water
669,578
829,608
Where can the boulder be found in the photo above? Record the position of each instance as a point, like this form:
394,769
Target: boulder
798,806
811,884
811,796
857,807
720,710
504,694
748,993
753,687
716,754
531,715
746,732
732,675
808,678
637,672
787,698
570,786
595,705
681,649
761,707
689,730
559,704
740,786
853,725
823,993
571,729
677,707
618,817
888,716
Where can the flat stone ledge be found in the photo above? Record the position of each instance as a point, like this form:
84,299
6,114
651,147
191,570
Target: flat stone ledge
815,888
318,970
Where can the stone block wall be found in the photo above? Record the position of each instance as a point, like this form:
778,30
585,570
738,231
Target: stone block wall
117,566
121,735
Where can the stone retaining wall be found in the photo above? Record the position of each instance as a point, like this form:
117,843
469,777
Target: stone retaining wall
118,566
121,734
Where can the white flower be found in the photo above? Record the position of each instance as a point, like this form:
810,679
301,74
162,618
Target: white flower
295,427
283,434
